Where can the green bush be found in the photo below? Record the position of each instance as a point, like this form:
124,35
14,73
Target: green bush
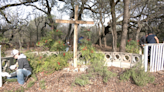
48,64
139,76
49,42
96,64
82,80
132,46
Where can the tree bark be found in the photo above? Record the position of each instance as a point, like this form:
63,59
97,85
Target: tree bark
99,35
125,26
138,30
112,4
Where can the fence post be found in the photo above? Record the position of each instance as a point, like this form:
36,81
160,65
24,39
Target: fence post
0,68
145,56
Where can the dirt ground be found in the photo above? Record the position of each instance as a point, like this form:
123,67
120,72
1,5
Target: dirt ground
61,81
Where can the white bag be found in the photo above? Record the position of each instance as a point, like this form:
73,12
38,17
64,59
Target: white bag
3,74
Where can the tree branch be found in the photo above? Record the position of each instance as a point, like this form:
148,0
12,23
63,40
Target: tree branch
17,4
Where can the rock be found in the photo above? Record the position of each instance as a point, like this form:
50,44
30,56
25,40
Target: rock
75,70
66,69
82,69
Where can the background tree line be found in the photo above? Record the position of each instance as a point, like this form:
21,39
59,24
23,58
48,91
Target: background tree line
126,19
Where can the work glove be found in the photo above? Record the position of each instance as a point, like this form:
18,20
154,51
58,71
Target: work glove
12,67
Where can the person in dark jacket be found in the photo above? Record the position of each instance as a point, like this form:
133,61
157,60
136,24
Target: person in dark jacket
22,67
142,40
150,39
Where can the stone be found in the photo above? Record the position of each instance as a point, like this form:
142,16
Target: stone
75,70
66,69
82,69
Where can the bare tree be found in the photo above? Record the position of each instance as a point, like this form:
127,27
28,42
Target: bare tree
2,8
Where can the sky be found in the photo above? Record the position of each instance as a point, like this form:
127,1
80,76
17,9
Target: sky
25,10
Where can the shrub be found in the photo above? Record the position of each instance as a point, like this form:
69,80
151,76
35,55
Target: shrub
139,76
82,80
48,64
49,42
132,46
96,64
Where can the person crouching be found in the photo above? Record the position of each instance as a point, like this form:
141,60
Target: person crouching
22,67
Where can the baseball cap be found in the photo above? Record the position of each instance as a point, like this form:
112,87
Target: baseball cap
14,52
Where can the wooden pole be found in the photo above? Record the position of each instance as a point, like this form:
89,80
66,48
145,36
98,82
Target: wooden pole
75,37
75,22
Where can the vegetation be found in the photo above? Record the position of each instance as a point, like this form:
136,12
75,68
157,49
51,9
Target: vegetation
42,84
145,14
132,46
21,89
49,42
30,84
138,75
96,63
48,64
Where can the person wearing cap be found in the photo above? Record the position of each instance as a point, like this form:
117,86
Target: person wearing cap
22,67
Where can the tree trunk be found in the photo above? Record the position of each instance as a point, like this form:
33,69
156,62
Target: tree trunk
138,31
20,45
112,4
104,36
99,35
125,26
37,33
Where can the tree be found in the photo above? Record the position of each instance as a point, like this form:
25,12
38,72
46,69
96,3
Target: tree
2,8
125,26
114,31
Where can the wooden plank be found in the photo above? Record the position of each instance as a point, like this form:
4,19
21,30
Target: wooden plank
74,22
75,37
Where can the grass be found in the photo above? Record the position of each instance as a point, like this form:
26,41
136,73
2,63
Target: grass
11,80
21,89
42,84
30,84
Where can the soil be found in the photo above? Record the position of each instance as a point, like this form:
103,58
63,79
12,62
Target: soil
61,81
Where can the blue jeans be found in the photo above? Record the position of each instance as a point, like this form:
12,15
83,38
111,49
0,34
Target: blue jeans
21,75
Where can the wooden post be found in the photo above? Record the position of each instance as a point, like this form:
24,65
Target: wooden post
75,22
75,38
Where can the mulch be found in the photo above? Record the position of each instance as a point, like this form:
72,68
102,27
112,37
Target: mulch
61,81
